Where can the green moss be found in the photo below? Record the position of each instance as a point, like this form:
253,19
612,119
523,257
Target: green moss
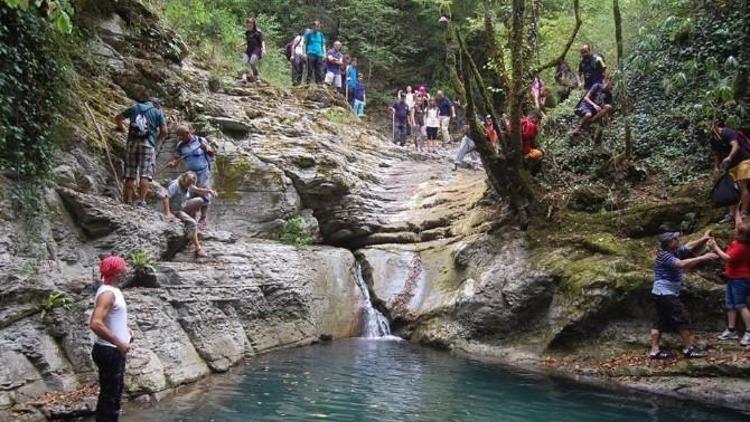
229,176
340,116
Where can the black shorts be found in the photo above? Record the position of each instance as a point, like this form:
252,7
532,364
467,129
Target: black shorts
671,313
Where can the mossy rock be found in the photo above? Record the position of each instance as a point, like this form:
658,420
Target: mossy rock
588,198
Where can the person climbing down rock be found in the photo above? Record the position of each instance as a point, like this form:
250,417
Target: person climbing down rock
592,68
183,200
737,276
360,98
594,106
529,132
731,151
146,126
315,48
195,152
334,61
255,49
671,313
466,146
109,322
400,113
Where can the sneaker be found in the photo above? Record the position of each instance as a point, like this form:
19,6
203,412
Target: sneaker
142,205
693,352
727,219
727,335
745,339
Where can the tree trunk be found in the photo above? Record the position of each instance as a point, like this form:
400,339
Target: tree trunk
624,95
569,43
496,51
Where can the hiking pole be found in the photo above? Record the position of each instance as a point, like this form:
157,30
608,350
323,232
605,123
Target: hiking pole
393,127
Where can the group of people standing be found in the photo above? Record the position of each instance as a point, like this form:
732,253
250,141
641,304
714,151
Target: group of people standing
418,114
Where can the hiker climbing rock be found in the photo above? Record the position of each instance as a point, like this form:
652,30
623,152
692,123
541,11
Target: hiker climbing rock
731,151
184,200
595,105
109,322
196,154
592,68
672,314
737,275
147,126
467,146
255,49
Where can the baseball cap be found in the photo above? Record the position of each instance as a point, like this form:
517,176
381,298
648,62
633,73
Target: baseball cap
667,236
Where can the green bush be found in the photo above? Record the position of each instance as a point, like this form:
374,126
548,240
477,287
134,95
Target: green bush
294,232
31,84
141,261
55,300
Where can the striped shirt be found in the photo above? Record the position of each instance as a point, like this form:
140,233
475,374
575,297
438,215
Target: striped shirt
667,276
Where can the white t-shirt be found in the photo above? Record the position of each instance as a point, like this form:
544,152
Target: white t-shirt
117,319
431,118
409,100
299,42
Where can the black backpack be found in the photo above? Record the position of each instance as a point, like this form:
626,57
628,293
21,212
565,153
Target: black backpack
725,192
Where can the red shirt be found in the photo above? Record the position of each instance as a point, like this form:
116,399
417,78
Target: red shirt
529,131
491,133
738,264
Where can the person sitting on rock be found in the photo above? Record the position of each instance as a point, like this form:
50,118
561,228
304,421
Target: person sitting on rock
732,154
179,203
400,114
529,132
109,322
737,275
672,314
147,126
467,146
595,105
195,152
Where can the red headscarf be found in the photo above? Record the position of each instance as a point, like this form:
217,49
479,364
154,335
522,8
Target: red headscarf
111,267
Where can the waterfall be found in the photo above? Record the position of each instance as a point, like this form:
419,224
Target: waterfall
375,323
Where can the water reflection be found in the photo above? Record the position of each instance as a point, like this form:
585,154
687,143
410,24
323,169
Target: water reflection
376,380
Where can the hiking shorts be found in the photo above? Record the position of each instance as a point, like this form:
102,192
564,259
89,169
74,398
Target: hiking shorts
333,79
205,181
736,294
741,171
585,109
671,313
432,133
139,161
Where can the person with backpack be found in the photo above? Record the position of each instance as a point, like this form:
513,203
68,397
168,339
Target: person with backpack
255,49
671,312
400,114
731,151
594,106
195,152
592,68
182,200
737,275
360,98
296,55
334,61
146,126
315,48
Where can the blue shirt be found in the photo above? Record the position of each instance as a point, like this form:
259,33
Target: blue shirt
352,76
359,92
153,115
315,41
402,111
193,154
444,107
667,277
592,68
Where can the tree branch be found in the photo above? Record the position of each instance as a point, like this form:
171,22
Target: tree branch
495,49
553,62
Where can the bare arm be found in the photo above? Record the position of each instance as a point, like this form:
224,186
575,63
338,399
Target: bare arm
697,243
204,191
692,262
101,309
723,255
735,149
163,132
120,123
588,99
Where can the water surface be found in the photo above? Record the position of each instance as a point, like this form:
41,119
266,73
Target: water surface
378,380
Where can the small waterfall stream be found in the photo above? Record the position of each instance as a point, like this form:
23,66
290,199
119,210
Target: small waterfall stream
375,323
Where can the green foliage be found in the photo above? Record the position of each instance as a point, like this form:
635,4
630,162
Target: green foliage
31,82
55,300
58,12
141,261
294,232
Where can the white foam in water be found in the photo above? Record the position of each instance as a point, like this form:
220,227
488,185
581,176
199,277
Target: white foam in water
375,323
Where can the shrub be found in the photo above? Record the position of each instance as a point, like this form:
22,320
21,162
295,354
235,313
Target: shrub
141,261
294,232
55,300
